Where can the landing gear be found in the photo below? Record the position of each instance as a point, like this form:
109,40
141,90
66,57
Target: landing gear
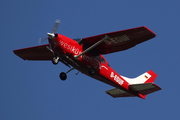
92,71
55,60
63,76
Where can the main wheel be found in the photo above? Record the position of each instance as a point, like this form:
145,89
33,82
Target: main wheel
92,71
55,60
63,76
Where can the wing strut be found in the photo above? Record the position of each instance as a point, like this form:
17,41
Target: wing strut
91,47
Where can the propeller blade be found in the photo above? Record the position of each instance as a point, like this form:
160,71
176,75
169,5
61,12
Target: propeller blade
56,25
41,40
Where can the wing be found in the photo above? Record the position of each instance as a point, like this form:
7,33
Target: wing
35,53
120,40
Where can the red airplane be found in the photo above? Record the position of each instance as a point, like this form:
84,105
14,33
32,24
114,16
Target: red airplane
86,55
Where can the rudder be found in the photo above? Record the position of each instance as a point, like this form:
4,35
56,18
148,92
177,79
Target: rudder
147,77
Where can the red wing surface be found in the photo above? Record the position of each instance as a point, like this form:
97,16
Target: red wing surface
120,40
35,53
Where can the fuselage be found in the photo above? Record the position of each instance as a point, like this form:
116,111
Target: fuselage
64,46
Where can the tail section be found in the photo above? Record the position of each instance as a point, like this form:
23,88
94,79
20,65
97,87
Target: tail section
147,77
141,86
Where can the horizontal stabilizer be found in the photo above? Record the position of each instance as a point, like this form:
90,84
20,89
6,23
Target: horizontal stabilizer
145,88
141,89
118,93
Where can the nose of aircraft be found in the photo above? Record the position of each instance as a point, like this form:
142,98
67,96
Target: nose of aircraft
51,35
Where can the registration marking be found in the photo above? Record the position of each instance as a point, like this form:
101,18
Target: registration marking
116,78
117,40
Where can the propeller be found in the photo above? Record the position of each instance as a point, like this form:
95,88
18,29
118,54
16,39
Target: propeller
41,40
56,25
50,35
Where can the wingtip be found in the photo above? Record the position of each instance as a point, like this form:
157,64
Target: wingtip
150,31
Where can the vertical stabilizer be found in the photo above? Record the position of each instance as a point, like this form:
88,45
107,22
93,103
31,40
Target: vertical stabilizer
147,77
140,86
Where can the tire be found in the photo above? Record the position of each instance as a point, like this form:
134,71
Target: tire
63,76
92,71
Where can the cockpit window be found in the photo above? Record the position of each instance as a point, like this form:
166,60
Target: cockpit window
79,41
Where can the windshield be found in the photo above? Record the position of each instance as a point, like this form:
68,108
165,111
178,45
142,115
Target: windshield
79,40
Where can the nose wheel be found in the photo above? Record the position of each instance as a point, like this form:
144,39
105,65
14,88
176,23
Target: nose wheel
55,60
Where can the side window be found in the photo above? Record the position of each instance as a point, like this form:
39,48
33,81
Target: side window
96,55
102,60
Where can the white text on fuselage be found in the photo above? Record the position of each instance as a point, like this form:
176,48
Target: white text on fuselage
116,78
94,62
73,49
117,40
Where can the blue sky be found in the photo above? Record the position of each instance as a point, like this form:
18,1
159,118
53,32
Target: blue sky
32,89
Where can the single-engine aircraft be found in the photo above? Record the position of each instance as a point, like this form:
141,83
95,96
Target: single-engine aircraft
86,55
